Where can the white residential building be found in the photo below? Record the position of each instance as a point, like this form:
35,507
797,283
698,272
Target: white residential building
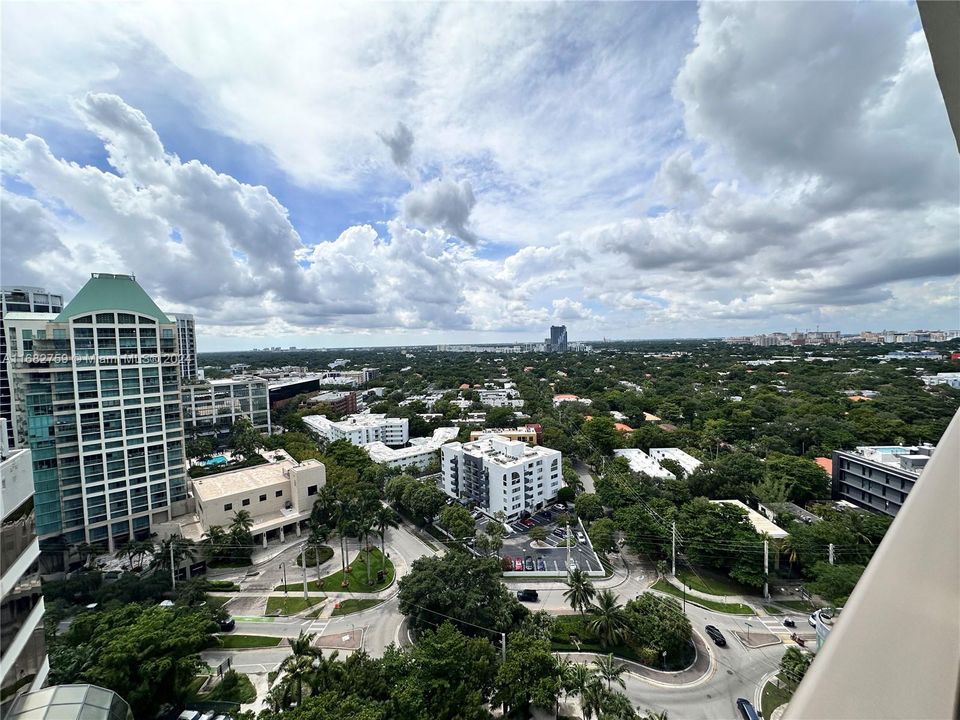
688,462
500,398
640,462
527,434
23,652
420,453
948,378
501,475
361,429
561,398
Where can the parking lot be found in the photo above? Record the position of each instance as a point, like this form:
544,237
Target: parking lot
549,556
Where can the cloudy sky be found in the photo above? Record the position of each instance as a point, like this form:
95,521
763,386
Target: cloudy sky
418,173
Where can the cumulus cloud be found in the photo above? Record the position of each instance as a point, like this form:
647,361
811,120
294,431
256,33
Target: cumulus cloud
443,204
763,163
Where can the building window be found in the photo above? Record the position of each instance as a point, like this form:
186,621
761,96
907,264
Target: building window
246,501
279,493
263,498
312,490
227,507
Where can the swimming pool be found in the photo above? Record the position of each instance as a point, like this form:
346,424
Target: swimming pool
215,460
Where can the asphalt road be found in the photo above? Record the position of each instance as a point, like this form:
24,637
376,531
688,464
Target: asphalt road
736,671
585,477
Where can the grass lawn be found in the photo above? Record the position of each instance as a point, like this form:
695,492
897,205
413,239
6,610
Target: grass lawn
357,577
709,583
214,601
773,697
235,687
326,552
248,641
732,608
798,605
352,606
290,605
566,625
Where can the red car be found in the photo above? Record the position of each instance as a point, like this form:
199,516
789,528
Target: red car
528,522
518,564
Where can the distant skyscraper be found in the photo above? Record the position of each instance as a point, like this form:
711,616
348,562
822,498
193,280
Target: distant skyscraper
186,343
558,338
96,398
19,299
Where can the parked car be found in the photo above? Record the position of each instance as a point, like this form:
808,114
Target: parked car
528,564
541,565
746,709
227,624
529,522
527,595
518,564
547,515
716,636
559,532
573,566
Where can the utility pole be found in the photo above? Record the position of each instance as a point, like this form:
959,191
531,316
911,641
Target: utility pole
673,553
173,570
503,647
303,563
766,569
831,553
283,567
316,554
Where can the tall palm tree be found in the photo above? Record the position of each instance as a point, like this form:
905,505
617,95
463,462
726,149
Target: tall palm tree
215,538
183,549
576,677
384,518
303,645
609,621
610,670
299,669
242,521
581,591
364,526
593,698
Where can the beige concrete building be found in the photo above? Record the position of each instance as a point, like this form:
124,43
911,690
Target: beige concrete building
524,434
278,495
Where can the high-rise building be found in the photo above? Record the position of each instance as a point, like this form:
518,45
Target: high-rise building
19,299
96,397
186,344
212,407
23,652
558,339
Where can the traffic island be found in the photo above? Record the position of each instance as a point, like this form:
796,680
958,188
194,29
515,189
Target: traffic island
755,640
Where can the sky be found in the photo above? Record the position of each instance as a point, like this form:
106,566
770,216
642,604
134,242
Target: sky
412,173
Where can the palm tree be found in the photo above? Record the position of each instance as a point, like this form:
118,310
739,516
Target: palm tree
576,677
215,538
299,669
384,518
655,715
303,645
581,592
364,526
609,622
242,522
788,546
592,698
610,670
183,549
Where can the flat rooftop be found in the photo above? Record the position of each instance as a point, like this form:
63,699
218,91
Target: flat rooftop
231,482
759,522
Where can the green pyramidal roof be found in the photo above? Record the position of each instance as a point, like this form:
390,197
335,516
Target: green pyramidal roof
104,292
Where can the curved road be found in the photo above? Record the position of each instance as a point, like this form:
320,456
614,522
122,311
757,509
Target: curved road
736,671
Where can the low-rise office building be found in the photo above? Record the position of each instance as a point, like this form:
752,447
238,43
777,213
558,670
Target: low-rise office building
501,475
278,495
640,462
361,429
211,407
952,379
688,462
23,652
340,401
878,478
500,398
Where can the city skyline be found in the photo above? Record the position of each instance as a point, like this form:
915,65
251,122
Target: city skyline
436,207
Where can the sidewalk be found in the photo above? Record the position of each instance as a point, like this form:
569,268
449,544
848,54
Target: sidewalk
748,600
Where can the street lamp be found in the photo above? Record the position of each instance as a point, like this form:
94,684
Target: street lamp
283,567
664,660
